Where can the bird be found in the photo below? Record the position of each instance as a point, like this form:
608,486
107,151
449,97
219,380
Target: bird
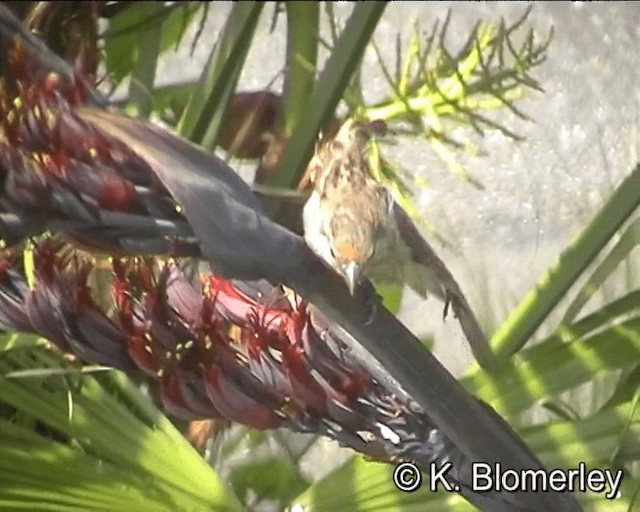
353,223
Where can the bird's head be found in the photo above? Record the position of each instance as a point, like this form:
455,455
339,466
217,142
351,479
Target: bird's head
351,247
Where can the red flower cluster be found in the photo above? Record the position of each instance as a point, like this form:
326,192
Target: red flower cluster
242,351
56,169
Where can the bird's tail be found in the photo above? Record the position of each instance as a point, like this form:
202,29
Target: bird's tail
442,284
472,330
432,275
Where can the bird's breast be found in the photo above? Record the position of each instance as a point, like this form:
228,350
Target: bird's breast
314,229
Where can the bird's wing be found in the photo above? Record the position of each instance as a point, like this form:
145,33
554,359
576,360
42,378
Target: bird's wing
436,271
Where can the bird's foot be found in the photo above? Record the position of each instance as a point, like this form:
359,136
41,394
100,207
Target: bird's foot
371,300
447,304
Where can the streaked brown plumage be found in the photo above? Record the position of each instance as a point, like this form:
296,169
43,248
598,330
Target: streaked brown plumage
353,223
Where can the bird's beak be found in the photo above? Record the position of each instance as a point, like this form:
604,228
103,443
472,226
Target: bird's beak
351,274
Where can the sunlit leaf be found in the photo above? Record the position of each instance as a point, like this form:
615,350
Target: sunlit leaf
628,241
328,90
538,303
123,37
114,451
270,479
302,52
204,113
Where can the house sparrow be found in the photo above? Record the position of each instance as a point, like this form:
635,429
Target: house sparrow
353,223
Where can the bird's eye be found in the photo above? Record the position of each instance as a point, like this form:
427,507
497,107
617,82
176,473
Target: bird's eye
361,133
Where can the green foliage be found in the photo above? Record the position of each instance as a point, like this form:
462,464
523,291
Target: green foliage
302,31
391,296
128,31
134,42
71,440
328,90
204,112
367,485
525,319
434,91
271,479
